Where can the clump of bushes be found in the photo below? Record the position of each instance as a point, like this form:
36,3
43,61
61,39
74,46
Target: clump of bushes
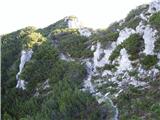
76,45
106,36
12,44
112,36
69,103
132,23
136,12
154,20
32,39
134,44
38,68
157,45
56,34
61,24
109,67
70,41
148,61
64,100
116,52
133,73
135,103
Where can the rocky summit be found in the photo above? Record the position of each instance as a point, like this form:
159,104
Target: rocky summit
67,71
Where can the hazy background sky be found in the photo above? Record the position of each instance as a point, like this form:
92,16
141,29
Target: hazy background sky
16,14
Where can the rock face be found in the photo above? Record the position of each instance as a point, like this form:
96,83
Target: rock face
115,71
72,22
25,57
120,77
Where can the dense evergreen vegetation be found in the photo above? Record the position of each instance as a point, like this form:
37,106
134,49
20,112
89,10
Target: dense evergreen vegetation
134,44
116,52
53,85
71,42
106,36
137,104
58,25
154,20
132,23
136,12
149,60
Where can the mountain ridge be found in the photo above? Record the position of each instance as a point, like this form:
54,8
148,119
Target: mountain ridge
72,70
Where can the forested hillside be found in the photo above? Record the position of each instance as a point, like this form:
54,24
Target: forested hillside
70,72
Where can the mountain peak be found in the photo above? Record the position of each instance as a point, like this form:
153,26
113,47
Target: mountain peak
73,22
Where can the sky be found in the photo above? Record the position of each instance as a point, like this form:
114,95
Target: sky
17,14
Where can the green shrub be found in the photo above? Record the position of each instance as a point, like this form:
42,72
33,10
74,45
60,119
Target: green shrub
109,67
134,44
61,24
57,33
157,45
70,41
113,27
24,119
132,23
154,20
70,71
133,73
156,108
116,52
6,116
105,36
112,36
76,45
108,87
136,12
135,103
32,39
148,61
